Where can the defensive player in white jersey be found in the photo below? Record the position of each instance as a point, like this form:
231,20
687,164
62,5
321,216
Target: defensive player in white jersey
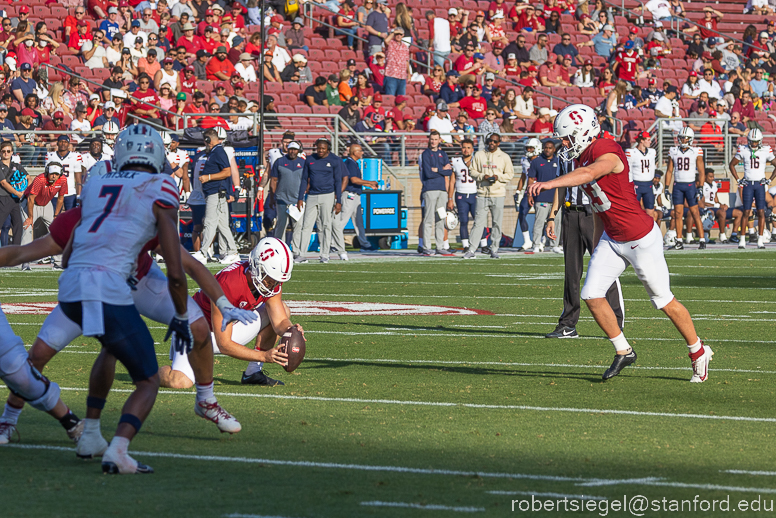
179,162
462,194
96,154
713,209
93,290
662,204
110,130
755,158
641,160
532,150
72,168
686,162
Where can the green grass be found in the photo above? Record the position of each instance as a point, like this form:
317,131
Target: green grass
349,409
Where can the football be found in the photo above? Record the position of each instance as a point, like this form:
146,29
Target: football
293,344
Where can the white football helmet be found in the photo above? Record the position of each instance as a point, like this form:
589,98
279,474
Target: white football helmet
707,220
686,137
755,139
221,133
451,220
579,125
271,258
109,131
536,144
166,138
139,144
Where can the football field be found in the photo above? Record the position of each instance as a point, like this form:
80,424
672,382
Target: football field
429,390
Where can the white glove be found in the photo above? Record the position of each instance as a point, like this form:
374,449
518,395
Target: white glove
232,314
741,182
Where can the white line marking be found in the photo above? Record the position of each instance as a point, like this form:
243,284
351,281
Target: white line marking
425,507
705,487
607,482
754,473
476,406
551,495
476,297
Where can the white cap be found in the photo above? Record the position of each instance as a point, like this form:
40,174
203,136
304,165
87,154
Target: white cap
544,111
94,96
553,113
511,56
657,36
658,24
11,62
118,92
55,168
721,103
609,28
294,145
109,104
764,34
498,14
490,75
452,10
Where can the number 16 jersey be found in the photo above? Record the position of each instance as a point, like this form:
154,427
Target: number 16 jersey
754,161
464,183
685,163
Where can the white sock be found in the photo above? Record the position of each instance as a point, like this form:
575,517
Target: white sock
11,414
119,444
620,343
253,367
92,426
420,242
447,243
465,243
703,239
204,391
483,242
694,348
671,233
526,237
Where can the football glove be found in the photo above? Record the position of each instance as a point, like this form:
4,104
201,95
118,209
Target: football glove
179,329
741,182
232,314
765,181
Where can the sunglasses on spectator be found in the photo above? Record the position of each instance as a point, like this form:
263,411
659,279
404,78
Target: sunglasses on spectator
566,39
6,151
492,141
77,12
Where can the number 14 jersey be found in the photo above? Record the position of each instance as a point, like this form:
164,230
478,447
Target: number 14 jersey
685,163
754,161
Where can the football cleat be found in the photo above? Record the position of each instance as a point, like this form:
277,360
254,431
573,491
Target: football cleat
761,243
620,362
91,445
199,256
343,256
427,252
323,260
8,432
741,243
259,378
494,255
702,245
230,259
26,267
557,249
677,246
700,365
469,255
210,409
563,332
115,463
76,432
298,259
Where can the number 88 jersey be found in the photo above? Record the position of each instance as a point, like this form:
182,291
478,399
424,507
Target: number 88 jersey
685,163
754,161
464,183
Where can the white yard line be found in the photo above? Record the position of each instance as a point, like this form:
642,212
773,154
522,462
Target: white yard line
753,473
550,495
424,507
476,297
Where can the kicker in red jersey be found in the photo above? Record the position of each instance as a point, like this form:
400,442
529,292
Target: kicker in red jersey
236,287
613,196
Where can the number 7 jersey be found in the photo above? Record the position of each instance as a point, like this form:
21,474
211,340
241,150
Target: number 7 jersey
754,161
685,163
117,220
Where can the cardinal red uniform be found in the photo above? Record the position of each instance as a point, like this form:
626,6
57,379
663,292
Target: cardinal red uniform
630,235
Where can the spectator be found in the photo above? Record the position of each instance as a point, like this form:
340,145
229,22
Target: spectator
542,124
566,48
363,12
350,114
275,29
584,77
397,63
435,169
441,123
496,101
538,53
709,85
219,68
268,70
701,113
280,56
396,114
668,107
200,65
553,74
376,107
633,36
552,23
315,95
545,168
434,82
494,31
298,71
586,24
692,87
457,20
695,47
131,36
606,82
440,37
626,64
346,23
70,24
237,50
145,106
651,93
474,104
707,27
322,182
737,127
295,35
190,42
603,42
489,125
745,108
147,23
497,6
512,68
377,27
527,20
176,28
462,126
494,59
451,92
74,95
660,9
180,9
759,84
524,107
149,64
492,170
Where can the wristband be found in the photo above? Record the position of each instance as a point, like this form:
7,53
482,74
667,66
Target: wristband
550,219
184,316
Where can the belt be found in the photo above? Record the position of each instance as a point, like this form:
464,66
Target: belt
576,208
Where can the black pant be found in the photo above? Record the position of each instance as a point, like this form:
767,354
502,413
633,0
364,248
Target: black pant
9,206
577,237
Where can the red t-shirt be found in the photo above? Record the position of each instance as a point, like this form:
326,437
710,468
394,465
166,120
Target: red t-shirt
77,40
539,126
627,67
63,226
235,285
462,63
475,107
215,65
210,45
44,192
149,94
614,197
395,115
191,46
708,28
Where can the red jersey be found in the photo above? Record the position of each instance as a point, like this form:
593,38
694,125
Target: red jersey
64,225
44,192
474,107
236,288
613,196
627,67
708,28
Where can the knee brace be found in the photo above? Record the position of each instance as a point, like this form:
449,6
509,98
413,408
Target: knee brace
33,387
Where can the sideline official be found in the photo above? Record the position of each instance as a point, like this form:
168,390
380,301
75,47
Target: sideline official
285,179
577,236
352,186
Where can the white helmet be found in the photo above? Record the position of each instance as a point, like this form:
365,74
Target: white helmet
220,133
109,131
536,144
755,139
166,138
139,144
451,220
579,124
686,137
271,258
708,220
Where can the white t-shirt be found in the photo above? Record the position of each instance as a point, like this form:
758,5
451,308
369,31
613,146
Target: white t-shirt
96,60
114,56
129,39
441,35
241,124
659,8
443,126
178,159
77,125
642,165
248,73
685,163
464,184
754,162
523,107
273,155
665,106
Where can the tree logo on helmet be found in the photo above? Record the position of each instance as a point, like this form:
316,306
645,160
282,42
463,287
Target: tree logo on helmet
266,254
575,117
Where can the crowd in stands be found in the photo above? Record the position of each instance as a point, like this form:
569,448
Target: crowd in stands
402,68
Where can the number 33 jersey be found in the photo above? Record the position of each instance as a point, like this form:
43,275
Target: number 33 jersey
464,184
613,196
685,163
754,161
117,220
